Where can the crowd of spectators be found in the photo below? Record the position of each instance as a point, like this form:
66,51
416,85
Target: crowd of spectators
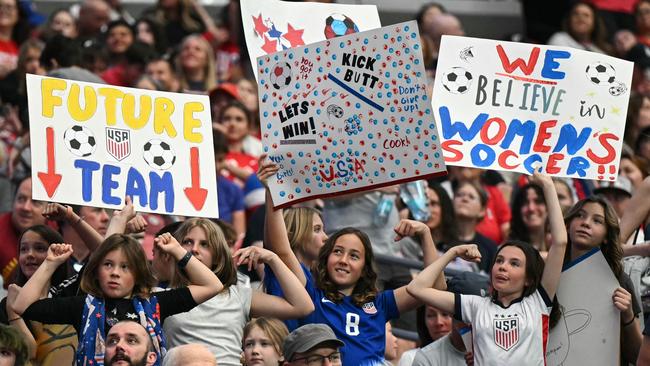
298,286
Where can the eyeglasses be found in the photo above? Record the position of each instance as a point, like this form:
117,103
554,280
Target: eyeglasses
318,360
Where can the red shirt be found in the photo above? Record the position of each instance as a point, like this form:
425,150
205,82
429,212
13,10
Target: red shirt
243,161
8,248
497,213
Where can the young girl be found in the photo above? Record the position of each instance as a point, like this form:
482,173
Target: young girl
342,287
117,280
219,322
592,223
262,342
49,344
521,299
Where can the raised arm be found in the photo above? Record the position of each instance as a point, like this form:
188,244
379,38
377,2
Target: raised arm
296,302
406,302
56,255
17,322
636,213
422,285
121,218
57,212
555,257
204,284
275,231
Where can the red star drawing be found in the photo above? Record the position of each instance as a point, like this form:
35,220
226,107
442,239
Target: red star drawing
260,28
98,315
294,36
269,46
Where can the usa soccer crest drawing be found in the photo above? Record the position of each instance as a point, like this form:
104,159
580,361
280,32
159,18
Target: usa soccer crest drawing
349,113
272,25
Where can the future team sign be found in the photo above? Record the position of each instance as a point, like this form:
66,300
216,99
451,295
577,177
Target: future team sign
348,114
94,144
514,106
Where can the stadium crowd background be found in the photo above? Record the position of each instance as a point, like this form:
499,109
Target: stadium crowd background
182,46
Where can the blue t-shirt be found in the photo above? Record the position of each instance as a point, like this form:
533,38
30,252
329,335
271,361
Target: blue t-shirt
363,329
231,198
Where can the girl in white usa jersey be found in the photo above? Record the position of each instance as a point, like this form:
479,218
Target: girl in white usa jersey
511,327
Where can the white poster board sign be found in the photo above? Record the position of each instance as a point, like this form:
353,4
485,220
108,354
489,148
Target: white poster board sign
271,25
347,115
588,332
515,106
94,144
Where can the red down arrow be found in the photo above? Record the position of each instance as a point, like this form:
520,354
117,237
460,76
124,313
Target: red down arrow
50,179
195,193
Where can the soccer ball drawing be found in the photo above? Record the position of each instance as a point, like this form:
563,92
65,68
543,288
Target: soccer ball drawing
159,154
80,141
617,89
601,73
337,25
457,80
334,110
281,75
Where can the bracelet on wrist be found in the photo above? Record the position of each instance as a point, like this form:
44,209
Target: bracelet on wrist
81,218
14,319
182,263
630,322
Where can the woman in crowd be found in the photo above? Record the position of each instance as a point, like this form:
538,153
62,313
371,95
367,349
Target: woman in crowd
243,149
582,28
432,324
59,22
148,32
14,30
470,202
195,65
529,221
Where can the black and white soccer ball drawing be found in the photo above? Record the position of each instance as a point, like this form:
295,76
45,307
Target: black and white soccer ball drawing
159,154
334,110
601,73
80,141
617,89
457,80
281,75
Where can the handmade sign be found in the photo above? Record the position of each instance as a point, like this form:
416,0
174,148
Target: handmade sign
272,25
515,106
589,316
94,144
348,114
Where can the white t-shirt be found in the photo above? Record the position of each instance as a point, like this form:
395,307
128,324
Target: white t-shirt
513,335
217,323
439,353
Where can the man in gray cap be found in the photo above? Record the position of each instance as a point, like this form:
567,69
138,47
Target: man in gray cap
312,344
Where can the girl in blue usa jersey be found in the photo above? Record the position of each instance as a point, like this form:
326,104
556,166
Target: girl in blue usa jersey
510,327
342,282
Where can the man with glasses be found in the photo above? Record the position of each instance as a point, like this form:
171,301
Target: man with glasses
312,345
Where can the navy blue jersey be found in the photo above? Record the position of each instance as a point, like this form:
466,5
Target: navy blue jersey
363,329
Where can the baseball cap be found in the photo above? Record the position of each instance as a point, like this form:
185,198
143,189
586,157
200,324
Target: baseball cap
307,337
468,283
621,184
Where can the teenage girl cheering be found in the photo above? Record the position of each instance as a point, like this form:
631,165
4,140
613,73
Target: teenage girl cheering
342,286
511,326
